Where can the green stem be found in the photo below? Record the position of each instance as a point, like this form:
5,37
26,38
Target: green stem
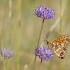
19,33
4,64
60,18
40,64
3,35
34,62
38,41
40,33
60,27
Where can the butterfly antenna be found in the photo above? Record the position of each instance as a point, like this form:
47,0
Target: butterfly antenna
46,37
47,34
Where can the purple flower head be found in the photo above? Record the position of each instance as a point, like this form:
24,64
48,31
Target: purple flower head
39,11
44,13
44,53
6,53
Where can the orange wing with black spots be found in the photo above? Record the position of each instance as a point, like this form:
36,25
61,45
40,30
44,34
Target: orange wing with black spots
60,44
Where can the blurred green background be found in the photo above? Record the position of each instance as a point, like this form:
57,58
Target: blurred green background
19,30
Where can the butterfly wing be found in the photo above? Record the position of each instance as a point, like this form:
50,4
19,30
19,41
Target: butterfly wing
60,44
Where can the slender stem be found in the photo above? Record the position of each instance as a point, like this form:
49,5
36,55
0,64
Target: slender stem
34,62
38,42
19,33
40,33
9,16
60,18
4,64
60,26
40,64
3,34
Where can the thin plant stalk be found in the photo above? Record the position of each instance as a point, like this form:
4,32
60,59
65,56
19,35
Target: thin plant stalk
38,41
40,64
40,33
9,27
34,62
19,33
60,17
9,16
4,64
60,26
2,36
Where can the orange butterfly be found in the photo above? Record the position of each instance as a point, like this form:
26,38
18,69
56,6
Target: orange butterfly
59,45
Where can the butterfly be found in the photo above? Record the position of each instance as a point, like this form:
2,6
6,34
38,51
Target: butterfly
59,45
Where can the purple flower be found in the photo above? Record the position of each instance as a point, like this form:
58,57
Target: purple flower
39,11
44,13
6,53
44,53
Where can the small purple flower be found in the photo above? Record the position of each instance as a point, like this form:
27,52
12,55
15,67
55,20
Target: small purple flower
44,13
44,53
39,11
6,53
